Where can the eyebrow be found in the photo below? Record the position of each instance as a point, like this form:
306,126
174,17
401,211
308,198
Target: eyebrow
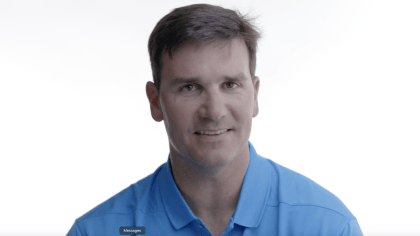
180,80
192,80
238,77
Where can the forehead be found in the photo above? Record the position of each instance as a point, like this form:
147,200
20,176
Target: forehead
216,59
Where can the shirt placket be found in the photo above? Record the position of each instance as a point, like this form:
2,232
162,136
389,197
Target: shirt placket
200,228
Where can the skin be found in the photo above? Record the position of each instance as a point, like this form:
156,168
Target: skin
208,88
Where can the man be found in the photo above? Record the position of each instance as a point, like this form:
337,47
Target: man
205,90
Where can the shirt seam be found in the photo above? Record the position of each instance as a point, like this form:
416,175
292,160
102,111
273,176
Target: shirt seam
354,218
77,228
348,223
91,217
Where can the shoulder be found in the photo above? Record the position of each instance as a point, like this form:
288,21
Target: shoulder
140,196
297,191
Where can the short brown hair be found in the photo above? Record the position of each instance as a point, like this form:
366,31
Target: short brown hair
200,24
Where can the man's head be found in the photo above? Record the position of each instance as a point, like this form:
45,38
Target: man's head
204,69
199,24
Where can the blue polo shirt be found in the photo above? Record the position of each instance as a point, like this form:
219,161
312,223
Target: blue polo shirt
273,201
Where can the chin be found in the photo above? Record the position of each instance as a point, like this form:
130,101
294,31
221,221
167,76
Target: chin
214,158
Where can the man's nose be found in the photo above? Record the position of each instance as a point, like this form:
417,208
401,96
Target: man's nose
213,106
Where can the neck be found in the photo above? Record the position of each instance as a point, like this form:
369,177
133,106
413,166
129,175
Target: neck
211,191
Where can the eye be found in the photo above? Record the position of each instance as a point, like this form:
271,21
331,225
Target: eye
231,85
188,87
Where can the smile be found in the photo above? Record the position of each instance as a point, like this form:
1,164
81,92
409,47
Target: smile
212,132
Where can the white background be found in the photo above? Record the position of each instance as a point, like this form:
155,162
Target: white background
339,102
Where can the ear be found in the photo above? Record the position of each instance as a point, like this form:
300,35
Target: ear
152,95
256,83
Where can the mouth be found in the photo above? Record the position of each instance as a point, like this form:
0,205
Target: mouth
216,132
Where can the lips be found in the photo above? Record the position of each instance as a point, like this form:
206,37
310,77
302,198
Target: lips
212,132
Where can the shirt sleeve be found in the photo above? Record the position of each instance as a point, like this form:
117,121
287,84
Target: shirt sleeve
74,231
352,229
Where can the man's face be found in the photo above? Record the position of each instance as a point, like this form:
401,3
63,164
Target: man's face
207,100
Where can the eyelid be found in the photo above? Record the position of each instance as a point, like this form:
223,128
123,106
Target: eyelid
181,88
187,84
235,83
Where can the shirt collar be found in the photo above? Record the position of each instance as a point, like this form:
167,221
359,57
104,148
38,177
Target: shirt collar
254,192
176,208
252,199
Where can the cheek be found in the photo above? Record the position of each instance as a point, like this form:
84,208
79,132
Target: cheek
245,111
245,105
175,112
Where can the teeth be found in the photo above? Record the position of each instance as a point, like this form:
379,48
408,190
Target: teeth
210,132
